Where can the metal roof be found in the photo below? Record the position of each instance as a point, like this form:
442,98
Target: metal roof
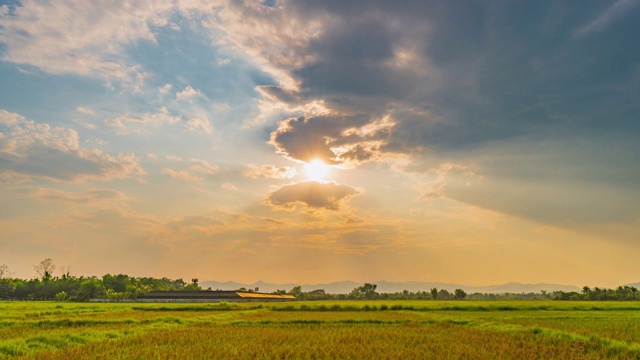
211,294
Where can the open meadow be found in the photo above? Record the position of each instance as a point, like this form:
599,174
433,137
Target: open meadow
319,330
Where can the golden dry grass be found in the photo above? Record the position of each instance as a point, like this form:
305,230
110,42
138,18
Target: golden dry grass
321,330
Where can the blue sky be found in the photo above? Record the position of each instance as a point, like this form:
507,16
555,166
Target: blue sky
173,138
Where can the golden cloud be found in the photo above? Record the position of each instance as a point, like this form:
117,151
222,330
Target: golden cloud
312,194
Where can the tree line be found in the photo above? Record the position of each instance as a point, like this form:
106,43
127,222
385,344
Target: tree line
47,286
81,288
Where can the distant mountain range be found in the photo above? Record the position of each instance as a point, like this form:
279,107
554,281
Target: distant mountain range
345,287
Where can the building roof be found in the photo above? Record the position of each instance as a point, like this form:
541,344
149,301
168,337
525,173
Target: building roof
215,295
254,295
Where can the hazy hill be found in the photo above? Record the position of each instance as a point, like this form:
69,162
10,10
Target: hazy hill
344,287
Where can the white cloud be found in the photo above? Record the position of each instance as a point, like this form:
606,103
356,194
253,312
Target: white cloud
81,37
165,89
197,169
273,38
198,124
187,93
202,167
173,157
269,171
97,141
124,123
37,150
85,110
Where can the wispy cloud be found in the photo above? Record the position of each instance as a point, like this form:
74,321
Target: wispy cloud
124,123
78,37
614,12
195,170
269,171
85,110
89,198
35,150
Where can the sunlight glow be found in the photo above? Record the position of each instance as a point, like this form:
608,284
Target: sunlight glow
316,170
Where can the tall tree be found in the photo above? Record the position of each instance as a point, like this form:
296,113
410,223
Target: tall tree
4,271
434,293
45,269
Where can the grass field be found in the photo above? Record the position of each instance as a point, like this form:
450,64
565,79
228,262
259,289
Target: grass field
321,330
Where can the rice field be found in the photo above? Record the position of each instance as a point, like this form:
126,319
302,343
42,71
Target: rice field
321,330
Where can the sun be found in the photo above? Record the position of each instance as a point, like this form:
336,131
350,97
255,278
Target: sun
316,170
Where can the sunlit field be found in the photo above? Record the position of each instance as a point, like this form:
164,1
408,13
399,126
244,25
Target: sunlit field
318,330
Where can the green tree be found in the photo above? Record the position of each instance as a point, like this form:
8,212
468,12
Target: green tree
7,289
434,293
89,289
366,291
61,296
444,295
459,294
117,283
296,291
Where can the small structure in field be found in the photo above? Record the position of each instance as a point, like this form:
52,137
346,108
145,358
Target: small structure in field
211,296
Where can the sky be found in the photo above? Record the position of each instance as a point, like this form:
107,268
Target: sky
471,142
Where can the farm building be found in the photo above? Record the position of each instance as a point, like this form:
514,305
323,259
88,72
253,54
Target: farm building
211,296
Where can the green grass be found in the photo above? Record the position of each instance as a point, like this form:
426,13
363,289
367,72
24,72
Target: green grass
322,330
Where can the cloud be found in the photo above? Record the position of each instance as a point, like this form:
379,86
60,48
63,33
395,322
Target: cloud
125,123
130,123
79,37
332,138
195,172
85,110
619,9
202,167
434,83
447,75
181,175
312,194
278,42
269,171
228,186
90,197
187,93
37,150
194,223
563,181
165,89
200,125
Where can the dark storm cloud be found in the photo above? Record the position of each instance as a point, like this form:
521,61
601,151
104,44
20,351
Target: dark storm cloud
493,70
456,78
